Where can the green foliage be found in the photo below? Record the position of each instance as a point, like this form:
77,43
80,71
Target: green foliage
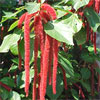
67,28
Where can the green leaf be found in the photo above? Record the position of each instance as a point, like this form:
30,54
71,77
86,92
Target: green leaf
8,81
4,94
32,7
79,3
75,94
14,49
87,57
97,70
85,72
59,89
60,32
80,37
73,21
21,78
86,85
9,41
64,30
14,96
93,18
13,26
13,68
66,65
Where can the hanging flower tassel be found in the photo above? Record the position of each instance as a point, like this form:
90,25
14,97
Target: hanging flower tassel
55,63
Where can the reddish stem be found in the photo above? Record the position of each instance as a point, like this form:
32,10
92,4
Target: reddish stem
95,51
5,86
64,76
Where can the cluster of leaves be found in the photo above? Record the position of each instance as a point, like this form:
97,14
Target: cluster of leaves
68,29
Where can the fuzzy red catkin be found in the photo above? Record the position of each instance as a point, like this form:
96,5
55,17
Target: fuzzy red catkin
91,2
45,67
27,51
50,62
94,43
64,76
45,16
5,86
19,56
92,80
21,20
36,44
38,29
55,63
50,10
97,2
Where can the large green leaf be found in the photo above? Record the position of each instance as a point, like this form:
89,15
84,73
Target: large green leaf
14,49
14,96
21,78
80,37
86,85
93,18
60,31
73,21
85,72
66,65
8,81
4,94
9,41
13,25
59,89
79,3
32,7
64,30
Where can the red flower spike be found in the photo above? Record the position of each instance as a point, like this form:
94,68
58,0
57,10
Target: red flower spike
45,67
50,10
55,63
38,29
27,51
21,20
97,2
45,16
19,56
36,44
50,63
91,2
